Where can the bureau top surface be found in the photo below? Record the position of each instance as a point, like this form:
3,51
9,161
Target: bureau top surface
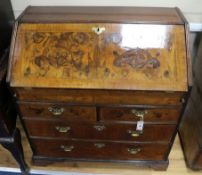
102,14
99,55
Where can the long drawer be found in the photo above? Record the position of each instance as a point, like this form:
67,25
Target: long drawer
99,131
98,150
100,96
57,111
156,114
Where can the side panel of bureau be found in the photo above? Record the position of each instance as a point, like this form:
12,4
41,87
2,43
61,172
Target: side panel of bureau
189,135
199,161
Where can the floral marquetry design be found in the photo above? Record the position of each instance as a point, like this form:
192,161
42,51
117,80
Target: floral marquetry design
67,50
59,51
136,58
38,37
122,56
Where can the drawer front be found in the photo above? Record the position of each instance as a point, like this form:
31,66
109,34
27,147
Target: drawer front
99,150
99,131
100,97
57,111
135,114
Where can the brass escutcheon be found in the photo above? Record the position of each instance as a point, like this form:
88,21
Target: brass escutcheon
135,133
98,30
99,145
139,113
67,148
99,127
64,129
56,110
134,150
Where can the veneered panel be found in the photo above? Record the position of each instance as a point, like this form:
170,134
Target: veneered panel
100,56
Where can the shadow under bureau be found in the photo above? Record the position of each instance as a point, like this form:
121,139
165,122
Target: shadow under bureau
100,83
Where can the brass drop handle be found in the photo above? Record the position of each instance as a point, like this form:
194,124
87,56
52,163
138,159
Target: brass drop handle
67,148
62,129
182,100
98,30
56,110
139,113
99,145
134,150
99,127
134,133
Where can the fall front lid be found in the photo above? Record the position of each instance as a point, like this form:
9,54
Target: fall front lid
100,56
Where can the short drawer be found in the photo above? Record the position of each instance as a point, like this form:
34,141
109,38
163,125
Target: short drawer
110,131
135,114
57,111
99,150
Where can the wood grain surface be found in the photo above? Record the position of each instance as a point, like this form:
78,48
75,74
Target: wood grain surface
190,130
45,14
121,56
57,111
99,150
102,97
82,130
97,64
131,114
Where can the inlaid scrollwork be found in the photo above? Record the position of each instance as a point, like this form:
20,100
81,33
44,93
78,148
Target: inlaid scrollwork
69,51
136,58
38,37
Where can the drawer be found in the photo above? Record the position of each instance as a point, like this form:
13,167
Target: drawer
135,114
107,131
100,96
99,150
57,111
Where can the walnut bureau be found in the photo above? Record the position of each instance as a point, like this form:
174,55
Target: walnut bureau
100,83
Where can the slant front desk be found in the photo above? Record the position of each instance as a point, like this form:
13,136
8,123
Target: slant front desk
100,83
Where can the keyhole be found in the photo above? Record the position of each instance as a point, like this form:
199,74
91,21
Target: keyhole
98,29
